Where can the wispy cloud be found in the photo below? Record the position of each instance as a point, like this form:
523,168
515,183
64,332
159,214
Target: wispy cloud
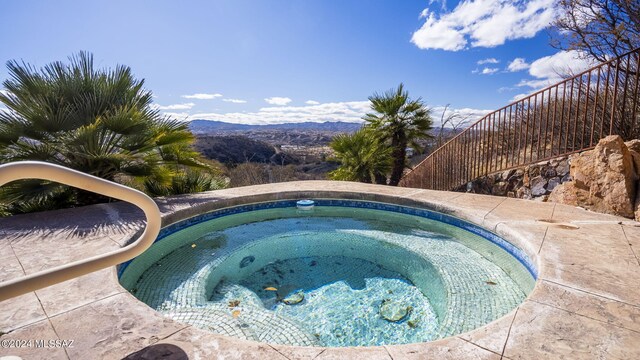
280,101
483,23
185,106
518,97
470,115
551,69
177,115
488,61
485,71
235,101
311,102
347,111
518,64
202,96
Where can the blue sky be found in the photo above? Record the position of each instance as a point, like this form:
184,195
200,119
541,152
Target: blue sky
268,61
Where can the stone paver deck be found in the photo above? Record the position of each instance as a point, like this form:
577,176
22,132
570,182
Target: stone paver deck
586,303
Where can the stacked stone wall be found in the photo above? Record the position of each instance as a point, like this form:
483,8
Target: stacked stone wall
535,181
605,179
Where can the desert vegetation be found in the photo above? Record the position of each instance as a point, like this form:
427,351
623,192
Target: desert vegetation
377,152
98,121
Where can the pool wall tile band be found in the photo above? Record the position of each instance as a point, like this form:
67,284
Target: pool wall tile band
424,213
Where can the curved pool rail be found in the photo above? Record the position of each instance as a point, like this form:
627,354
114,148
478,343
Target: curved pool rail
45,171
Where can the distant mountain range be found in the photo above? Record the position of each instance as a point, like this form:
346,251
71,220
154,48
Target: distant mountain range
211,126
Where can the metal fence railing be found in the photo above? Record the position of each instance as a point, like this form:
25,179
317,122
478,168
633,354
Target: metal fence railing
562,119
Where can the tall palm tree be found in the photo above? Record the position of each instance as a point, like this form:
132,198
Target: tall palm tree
98,121
362,157
399,122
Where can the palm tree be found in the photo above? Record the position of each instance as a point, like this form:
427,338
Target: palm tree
100,122
399,121
362,157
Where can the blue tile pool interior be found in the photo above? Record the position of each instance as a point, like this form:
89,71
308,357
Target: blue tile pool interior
344,287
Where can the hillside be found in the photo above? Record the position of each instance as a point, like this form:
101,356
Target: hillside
234,149
211,126
306,134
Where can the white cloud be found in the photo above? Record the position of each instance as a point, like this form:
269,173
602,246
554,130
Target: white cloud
235,101
280,101
518,97
348,111
488,61
518,64
202,96
505,89
561,63
4,92
470,115
552,69
485,71
483,23
439,34
489,71
177,116
185,106
311,102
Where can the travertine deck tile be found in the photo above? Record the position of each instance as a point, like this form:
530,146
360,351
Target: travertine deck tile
450,348
355,353
544,332
74,293
493,336
112,328
593,258
517,210
587,304
199,344
475,207
22,310
568,213
298,352
40,331
632,234
527,235
37,253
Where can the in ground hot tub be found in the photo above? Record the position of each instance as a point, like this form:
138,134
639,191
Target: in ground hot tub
344,273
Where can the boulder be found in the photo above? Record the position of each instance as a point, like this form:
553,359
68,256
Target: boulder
549,172
507,174
533,171
633,145
523,193
634,149
538,186
553,182
563,168
604,179
499,188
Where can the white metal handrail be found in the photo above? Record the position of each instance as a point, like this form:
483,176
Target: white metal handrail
45,171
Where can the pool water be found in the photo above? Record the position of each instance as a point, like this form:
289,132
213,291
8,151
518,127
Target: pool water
333,276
